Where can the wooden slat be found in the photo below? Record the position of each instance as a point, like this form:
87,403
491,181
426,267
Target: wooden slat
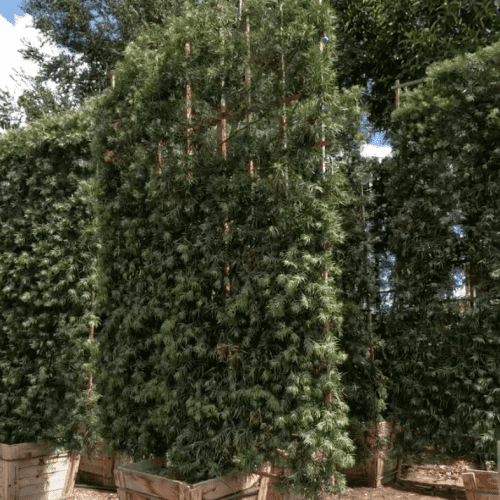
264,484
481,485
69,484
49,476
21,451
42,465
219,488
138,479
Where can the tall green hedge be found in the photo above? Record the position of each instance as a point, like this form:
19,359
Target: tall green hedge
220,381
359,285
48,278
444,365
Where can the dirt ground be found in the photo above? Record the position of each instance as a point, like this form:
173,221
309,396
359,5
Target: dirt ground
418,482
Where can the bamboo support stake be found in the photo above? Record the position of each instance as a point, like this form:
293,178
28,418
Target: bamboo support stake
90,373
283,112
251,165
368,298
223,117
189,108
323,141
223,152
324,273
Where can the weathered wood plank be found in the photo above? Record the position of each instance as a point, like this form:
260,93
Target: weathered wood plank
481,485
21,451
137,482
37,473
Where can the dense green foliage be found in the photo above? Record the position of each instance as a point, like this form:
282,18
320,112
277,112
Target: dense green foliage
358,289
389,40
163,261
444,365
48,278
360,282
220,381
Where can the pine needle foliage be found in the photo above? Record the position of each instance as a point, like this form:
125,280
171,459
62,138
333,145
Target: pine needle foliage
219,381
359,289
443,362
48,281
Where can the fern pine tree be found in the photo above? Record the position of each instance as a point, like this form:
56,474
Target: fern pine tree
218,216
443,362
48,276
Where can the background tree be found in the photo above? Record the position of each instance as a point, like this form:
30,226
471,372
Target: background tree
386,40
94,34
383,40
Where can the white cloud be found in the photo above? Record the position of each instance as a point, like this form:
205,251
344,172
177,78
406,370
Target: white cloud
11,36
371,150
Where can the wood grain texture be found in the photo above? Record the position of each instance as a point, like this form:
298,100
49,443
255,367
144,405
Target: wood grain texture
98,468
33,471
138,481
481,485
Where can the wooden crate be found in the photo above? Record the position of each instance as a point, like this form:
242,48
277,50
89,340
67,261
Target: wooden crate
97,469
32,471
137,482
481,485
380,469
272,494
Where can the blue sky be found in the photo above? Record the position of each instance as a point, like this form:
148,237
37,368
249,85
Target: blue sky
9,9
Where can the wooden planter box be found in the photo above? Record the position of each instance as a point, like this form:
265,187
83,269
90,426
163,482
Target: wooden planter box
97,469
34,472
139,482
481,485
272,494
380,469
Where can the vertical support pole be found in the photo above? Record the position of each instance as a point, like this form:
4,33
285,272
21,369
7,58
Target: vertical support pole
396,92
111,79
223,119
323,141
324,273
90,372
223,152
158,154
283,112
251,165
498,466
368,298
189,107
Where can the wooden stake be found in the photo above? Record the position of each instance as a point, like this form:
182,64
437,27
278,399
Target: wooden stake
324,274
189,107
251,166
90,378
283,112
223,152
